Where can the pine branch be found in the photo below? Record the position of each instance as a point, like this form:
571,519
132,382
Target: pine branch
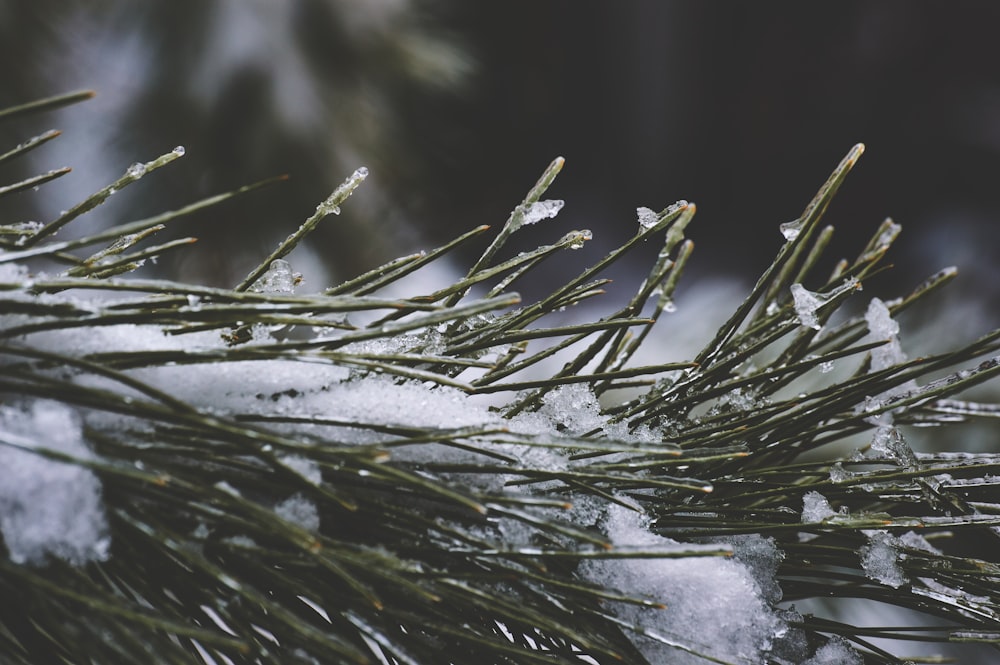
256,475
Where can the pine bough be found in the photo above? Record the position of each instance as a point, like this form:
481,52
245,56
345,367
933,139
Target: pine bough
251,475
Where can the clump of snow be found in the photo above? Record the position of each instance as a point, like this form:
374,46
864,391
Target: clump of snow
48,507
381,399
647,217
13,273
806,304
881,556
815,508
572,409
888,443
880,559
716,601
240,541
761,557
839,474
881,326
299,510
536,212
791,645
835,652
737,399
915,541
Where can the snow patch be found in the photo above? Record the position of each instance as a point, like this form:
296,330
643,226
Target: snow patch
704,596
835,652
299,510
880,559
48,507
647,217
815,508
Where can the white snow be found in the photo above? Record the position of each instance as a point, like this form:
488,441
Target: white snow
835,652
714,604
888,443
880,559
881,556
647,217
806,304
48,507
571,408
815,508
536,212
723,606
299,510
881,326
693,588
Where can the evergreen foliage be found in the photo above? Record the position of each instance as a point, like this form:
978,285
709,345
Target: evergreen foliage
416,543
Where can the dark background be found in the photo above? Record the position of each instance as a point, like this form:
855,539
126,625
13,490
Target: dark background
743,108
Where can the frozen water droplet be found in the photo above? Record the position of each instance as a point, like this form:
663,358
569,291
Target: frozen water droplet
137,170
179,151
540,210
675,207
826,367
791,229
772,308
839,474
669,306
889,234
889,443
806,304
279,278
580,238
647,217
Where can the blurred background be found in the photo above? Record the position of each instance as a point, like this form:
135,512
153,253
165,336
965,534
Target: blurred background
456,107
